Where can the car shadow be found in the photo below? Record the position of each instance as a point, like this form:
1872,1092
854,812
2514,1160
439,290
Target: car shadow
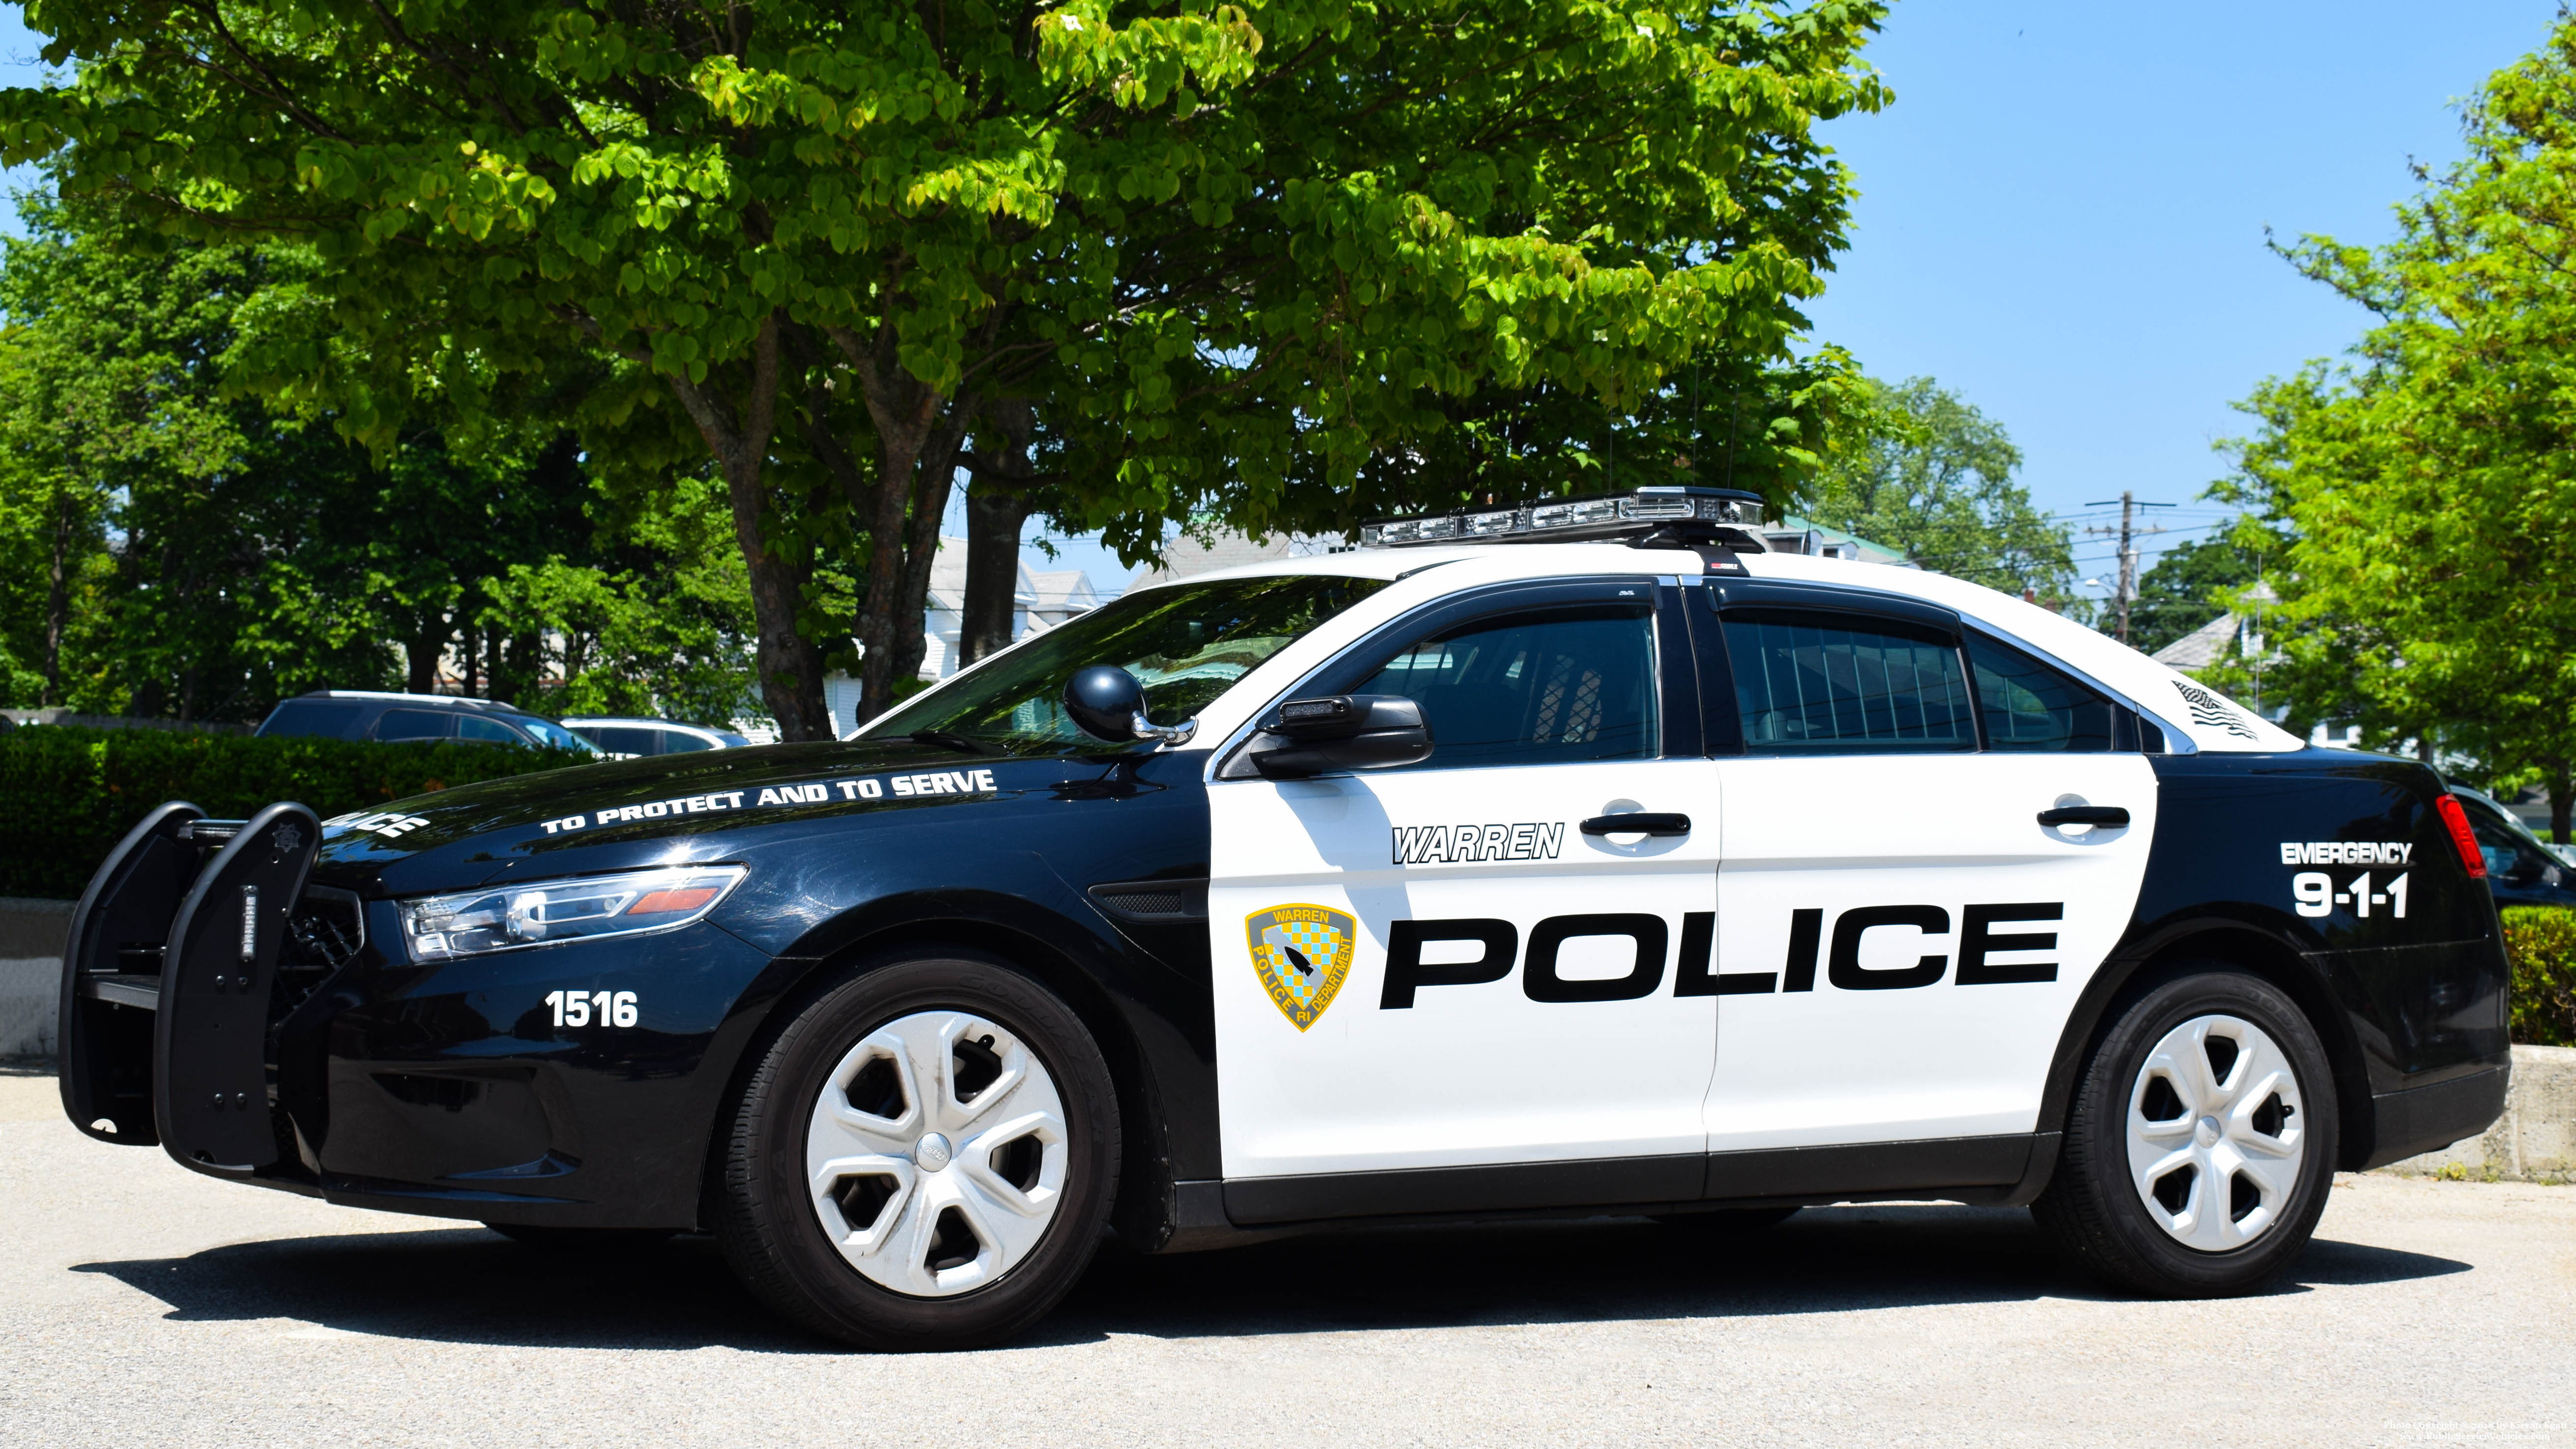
470,1285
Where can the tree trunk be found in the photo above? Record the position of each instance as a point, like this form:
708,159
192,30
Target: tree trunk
919,432
997,507
58,598
2560,788
420,655
790,666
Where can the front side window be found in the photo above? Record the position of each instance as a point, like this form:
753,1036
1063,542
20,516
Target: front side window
554,736
2509,857
1186,643
486,732
414,724
1832,683
321,718
2031,707
1533,689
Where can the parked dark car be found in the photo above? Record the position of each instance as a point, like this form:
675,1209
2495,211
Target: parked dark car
634,738
2521,871
361,714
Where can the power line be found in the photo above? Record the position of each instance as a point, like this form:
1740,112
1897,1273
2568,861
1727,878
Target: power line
2129,504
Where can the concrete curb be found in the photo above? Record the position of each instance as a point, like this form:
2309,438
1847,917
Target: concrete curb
2535,1139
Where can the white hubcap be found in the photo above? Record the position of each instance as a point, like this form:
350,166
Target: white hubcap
936,1153
2216,1131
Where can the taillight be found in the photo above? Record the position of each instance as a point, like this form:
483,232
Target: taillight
2462,836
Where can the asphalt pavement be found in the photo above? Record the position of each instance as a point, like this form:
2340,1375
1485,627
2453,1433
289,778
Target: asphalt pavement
141,1303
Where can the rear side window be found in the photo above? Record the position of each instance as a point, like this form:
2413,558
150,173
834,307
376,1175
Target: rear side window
325,718
623,739
486,731
414,724
1533,689
2029,706
1833,683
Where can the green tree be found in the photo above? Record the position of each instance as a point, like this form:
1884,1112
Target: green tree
2188,586
1921,470
2421,497
187,552
1223,248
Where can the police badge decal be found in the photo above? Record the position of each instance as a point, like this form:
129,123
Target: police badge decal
1301,954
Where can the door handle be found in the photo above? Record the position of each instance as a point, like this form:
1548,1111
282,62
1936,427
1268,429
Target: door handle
2085,815
1642,822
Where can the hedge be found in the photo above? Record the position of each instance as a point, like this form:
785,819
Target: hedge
68,795
2542,942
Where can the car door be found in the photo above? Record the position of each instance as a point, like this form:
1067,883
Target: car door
1901,936
1436,966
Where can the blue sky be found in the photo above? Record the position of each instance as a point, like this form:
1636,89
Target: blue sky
2062,216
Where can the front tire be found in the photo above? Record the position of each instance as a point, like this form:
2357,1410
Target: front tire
2200,1141
924,1157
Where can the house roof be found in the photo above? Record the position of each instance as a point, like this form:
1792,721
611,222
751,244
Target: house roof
1185,556
2200,648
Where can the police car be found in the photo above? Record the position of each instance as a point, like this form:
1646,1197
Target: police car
1579,859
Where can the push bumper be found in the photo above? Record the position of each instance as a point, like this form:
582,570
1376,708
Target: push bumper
168,982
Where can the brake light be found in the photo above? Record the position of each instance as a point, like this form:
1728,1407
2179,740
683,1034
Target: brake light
2462,837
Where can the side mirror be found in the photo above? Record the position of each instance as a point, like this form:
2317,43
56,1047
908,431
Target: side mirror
1341,732
1108,704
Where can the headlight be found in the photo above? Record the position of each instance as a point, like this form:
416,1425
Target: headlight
506,918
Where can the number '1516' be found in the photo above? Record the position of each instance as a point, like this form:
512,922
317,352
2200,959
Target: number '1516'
574,1008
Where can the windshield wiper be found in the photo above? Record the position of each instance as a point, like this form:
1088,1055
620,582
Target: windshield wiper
952,740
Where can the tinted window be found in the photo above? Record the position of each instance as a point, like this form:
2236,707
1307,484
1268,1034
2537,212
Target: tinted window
2509,857
2029,706
1834,683
328,718
486,731
622,740
1186,644
552,735
1532,690
413,724
674,743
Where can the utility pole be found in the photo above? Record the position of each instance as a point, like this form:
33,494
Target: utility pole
2128,533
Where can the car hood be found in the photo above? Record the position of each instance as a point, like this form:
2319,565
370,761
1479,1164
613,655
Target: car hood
664,810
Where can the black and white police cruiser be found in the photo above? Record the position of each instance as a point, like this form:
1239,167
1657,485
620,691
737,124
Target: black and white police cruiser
1578,859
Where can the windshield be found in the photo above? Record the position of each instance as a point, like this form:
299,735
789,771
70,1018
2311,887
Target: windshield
1186,644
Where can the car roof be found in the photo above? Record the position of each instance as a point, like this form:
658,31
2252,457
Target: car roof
445,701
2194,716
629,721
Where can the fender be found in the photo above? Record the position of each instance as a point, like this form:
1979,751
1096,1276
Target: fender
2219,831
2225,935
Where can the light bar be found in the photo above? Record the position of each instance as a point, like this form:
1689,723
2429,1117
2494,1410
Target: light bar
1569,520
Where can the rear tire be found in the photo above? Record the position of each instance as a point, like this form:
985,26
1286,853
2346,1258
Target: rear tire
2200,1141
924,1157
